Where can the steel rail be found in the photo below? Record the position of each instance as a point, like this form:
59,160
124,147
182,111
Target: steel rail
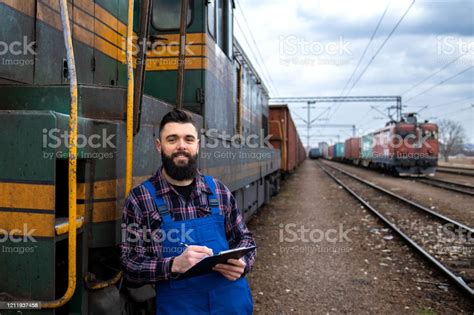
445,184
459,281
408,201
453,170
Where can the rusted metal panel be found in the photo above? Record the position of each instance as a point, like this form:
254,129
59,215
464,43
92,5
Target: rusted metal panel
352,148
285,137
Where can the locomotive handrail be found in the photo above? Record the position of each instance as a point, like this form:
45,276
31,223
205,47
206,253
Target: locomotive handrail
182,53
72,163
139,75
130,94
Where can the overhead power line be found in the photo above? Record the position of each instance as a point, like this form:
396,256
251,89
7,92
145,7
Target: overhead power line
363,55
259,54
433,74
366,48
255,60
440,83
378,50
381,46
446,103
457,111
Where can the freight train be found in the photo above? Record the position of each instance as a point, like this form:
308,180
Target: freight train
68,258
404,148
284,137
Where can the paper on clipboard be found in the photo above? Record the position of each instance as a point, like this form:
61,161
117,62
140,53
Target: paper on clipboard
205,265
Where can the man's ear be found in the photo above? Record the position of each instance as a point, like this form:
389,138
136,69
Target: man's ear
158,145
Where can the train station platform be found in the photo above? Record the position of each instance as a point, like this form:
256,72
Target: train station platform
321,252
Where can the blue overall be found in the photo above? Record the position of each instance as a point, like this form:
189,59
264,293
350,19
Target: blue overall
207,294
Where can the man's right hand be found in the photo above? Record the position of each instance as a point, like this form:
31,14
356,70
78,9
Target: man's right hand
191,256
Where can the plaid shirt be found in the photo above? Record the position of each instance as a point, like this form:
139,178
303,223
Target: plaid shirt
142,261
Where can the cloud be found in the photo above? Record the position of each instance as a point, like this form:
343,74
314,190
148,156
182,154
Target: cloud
313,47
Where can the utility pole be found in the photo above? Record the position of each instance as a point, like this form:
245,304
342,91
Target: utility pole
308,123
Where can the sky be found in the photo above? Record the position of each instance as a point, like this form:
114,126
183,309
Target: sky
312,48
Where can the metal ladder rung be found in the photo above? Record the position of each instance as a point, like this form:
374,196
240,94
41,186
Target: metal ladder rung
61,225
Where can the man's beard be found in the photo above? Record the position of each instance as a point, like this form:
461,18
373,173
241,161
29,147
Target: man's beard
180,172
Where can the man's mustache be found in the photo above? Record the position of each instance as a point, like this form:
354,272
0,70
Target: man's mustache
181,153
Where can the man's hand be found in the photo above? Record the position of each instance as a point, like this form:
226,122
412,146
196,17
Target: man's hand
233,270
191,256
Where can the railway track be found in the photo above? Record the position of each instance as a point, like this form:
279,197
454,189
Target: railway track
449,185
427,232
456,170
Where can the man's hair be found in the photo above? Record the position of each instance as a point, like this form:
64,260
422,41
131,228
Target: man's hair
176,116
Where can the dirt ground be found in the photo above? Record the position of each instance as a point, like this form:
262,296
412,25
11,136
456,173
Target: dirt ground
321,252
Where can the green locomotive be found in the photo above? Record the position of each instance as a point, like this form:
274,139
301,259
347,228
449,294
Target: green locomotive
221,88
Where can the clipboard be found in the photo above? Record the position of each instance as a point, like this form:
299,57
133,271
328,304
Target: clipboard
205,265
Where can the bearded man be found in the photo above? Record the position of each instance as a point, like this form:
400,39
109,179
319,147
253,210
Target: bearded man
178,217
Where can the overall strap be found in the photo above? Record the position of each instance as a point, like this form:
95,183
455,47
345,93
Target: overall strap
159,201
213,201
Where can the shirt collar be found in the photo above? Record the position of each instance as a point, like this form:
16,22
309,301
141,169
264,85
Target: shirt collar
163,187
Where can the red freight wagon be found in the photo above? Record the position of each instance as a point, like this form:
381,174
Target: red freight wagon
352,150
331,152
285,137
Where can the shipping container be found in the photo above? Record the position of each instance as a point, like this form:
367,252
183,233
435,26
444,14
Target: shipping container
331,152
285,137
352,149
323,147
367,149
338,151
314,153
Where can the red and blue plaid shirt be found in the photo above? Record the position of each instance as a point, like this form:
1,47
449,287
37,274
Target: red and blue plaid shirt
142,260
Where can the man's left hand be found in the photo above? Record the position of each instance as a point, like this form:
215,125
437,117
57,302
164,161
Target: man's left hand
233,270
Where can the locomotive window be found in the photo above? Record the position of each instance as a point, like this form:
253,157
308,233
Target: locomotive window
230,29
220,24
211,18
430,134
167,14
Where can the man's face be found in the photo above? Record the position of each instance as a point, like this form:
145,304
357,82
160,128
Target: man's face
179,146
